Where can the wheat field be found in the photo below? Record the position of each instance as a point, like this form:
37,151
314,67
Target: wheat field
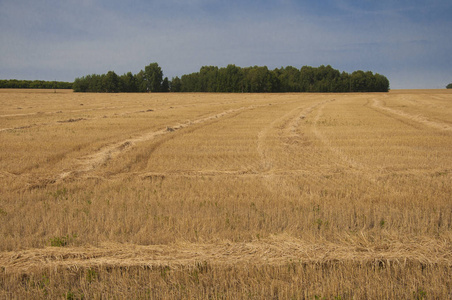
226,196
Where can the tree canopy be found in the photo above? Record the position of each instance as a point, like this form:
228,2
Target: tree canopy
34,84
234,79
449,86
289,79
148,80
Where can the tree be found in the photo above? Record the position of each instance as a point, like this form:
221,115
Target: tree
189,83
141,82
307,79
35,84
449,86
80,85
111,82
153,77
208,79
176,85
381,83
358,81
230,79
259,80
288,78
95,83
129,83
165,85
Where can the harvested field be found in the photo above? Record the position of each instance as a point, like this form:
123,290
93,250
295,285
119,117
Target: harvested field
224,196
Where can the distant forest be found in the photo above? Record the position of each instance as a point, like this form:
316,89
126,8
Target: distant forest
234,79
34,84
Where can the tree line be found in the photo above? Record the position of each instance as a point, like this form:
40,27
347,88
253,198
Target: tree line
34,84
148,80
234,79
449,86
289,79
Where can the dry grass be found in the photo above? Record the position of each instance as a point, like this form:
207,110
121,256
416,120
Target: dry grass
226,195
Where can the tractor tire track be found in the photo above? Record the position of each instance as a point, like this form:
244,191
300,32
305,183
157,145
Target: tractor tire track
345,163
274,176
71,120
291,122
327,143
90,162
193,126
111,115
59,112
380,106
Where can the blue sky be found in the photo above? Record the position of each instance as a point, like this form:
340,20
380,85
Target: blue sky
410,42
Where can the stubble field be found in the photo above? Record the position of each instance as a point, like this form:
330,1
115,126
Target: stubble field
222,196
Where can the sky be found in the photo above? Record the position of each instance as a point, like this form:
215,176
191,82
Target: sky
410,42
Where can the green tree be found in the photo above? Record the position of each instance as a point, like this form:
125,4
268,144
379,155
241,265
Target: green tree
165,85
208,79
230,79
259,80
190,83
176,85
153,77
141,83
111,82
449,86
96,83
80,85
381,83
307,79
289,79
358,81
129,83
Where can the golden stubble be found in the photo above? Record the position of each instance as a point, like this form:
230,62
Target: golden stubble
298,195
